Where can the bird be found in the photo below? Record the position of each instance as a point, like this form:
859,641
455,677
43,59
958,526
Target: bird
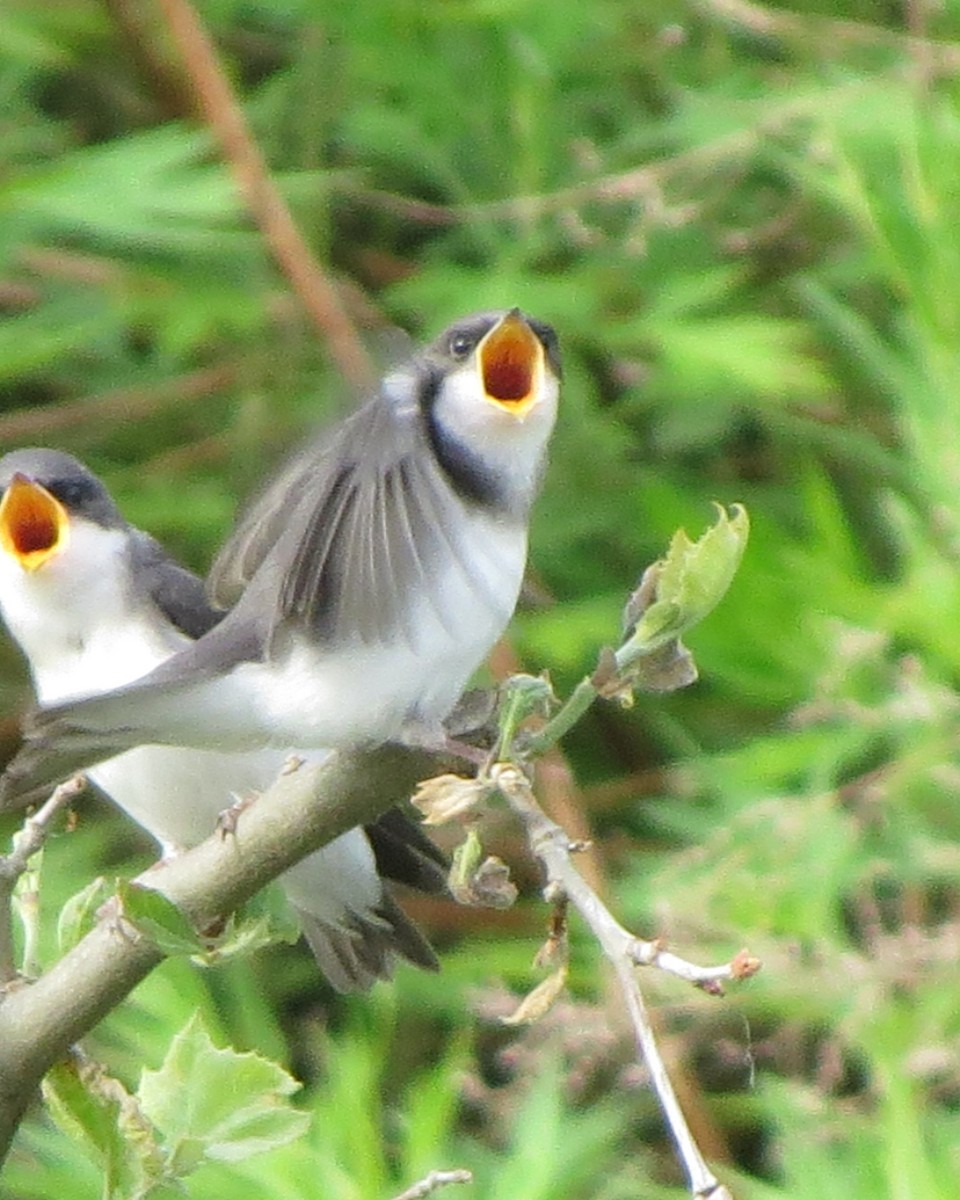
368,581
94,603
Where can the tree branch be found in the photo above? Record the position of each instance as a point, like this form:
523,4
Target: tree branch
125,404
302,811
552,847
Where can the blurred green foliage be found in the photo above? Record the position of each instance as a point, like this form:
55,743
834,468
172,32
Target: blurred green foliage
743,220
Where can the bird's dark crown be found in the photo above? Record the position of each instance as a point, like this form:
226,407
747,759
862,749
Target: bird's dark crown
79,491
458,341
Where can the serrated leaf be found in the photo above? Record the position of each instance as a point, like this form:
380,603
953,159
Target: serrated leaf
79,915
90,1105
690,581
157,918
264,921
213,1103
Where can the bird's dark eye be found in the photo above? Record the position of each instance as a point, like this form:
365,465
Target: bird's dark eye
461,344
72,492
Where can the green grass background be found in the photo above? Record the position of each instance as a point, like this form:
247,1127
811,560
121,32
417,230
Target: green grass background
744,220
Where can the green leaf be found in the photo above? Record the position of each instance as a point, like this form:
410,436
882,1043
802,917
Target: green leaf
522,696
689,582
78,916
90,1105
218,1104
264,920
158,919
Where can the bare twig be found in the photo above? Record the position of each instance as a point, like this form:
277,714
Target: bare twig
640,185
261,195
430,1183
13,865
551,845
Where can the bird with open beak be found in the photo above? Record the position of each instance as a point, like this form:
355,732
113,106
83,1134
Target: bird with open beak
371,578
95,603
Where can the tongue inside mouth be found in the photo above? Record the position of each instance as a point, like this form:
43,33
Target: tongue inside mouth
508,360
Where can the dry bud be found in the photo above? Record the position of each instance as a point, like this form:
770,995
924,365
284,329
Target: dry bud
447,797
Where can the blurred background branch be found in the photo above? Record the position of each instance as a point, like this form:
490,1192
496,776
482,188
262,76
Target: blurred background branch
225,119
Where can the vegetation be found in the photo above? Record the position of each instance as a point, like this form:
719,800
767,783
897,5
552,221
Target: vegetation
743,220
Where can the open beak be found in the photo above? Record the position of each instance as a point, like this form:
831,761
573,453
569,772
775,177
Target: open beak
511,363
33,523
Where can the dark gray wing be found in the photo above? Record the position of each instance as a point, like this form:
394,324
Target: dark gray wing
176,592
66,738
369,525
260,527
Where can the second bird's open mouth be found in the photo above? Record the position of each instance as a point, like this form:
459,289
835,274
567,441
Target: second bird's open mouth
33,523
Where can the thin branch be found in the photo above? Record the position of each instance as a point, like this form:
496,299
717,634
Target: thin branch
430,1183
14,865
302,811
641,185
551,845
127,403
833,35
261,195
558,786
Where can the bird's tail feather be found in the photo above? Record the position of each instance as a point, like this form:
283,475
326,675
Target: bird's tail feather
354,955
405,854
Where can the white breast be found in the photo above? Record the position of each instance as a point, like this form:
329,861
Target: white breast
311,696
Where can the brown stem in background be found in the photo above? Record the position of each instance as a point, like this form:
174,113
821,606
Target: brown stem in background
261,195
836,36
119,403
136,24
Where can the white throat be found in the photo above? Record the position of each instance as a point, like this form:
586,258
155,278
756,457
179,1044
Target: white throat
79,619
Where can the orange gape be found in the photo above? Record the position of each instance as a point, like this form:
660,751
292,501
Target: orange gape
33,523
509,357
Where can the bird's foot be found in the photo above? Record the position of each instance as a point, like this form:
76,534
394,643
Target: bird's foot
227,819
431,735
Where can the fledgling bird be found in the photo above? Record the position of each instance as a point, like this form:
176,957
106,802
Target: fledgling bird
371,579
95,603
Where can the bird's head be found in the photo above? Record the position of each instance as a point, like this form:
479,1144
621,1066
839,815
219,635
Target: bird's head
44,496
489,385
